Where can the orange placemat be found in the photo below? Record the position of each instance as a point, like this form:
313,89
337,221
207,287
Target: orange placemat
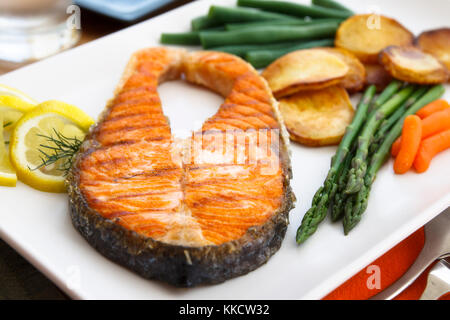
392,265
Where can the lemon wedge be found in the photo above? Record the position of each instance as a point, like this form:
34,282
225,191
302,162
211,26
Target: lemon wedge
7,173
43,142
8,91
12,108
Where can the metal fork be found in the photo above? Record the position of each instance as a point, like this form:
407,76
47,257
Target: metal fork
437,246
438,281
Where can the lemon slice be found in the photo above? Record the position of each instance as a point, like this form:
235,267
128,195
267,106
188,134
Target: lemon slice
50,127
7,173
8,91
12,108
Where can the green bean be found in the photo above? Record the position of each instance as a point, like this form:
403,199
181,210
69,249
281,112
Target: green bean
262,58
204,22
185,38
295,9
236,14
268,34
241,50
182,38
331,4
293,22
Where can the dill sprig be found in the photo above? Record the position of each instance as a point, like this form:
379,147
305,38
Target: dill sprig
4,126
60,147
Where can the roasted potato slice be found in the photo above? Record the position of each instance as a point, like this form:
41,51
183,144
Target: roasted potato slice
356,76
309,69
437,43
410,64
377,75
319,117
365,35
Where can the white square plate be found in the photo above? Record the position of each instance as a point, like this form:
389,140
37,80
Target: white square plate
37,224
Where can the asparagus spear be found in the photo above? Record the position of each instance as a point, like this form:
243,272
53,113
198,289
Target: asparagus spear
377,160
339,200
357,203
389,122
359,166
319,206
387,93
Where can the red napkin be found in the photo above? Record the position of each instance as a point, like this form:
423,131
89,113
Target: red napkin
393,264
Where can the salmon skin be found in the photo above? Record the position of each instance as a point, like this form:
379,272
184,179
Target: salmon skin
185,211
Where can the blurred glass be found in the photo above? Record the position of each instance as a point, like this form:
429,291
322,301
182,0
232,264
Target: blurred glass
34,29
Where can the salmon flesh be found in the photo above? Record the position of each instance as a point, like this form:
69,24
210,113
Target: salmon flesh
189,211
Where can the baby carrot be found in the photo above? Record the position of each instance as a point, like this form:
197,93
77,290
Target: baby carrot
411,137
396,147
429,148
436,122
435,106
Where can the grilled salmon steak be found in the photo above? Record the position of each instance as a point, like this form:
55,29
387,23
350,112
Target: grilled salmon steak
185,211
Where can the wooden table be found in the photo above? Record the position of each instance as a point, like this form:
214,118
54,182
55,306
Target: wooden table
18,278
